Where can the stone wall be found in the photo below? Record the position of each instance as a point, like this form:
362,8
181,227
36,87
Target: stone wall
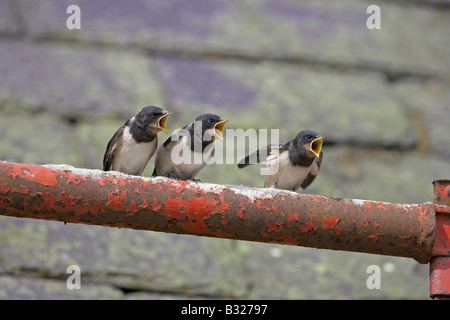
381,98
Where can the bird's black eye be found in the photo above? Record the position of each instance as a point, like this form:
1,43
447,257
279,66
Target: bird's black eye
211,121
154,114
309,137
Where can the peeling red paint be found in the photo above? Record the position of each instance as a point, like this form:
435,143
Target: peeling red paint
373,238
73,178
94,208
224,206
48,199
131,209
441,245
195,226
329,222
197,208
442,241
67,200
316,198
115,199
172,208
4,187
442,192
273,226
440,278
289,240
368,205
307,227
40,175
241,211
185,207
365,223
176,187
24,190
260,205
292,216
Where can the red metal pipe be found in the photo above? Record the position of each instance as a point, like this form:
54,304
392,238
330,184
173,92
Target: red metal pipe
112,199
442,208
440,263
440,278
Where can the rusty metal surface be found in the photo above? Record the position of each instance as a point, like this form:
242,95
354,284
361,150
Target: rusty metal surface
440,278
442,192
440,263
266,215
442,209
442,239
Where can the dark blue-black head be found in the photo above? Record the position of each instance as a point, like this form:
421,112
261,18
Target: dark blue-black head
212,124
311,141
152,119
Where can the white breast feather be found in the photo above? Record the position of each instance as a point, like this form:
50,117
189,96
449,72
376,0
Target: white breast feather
184,162
133,157
284,175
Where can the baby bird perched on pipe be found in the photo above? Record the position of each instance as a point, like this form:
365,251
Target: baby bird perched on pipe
291,165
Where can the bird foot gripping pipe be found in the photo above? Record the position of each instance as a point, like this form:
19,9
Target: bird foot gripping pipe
68,194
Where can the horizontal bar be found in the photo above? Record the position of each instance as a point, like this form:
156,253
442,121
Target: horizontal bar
113,199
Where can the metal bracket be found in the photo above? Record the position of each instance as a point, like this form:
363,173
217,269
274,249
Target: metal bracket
440,262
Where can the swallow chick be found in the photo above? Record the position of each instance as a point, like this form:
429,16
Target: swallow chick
186,152
291,165
134,143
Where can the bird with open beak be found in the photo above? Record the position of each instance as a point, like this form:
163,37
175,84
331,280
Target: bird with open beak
134,143
186,152
291,165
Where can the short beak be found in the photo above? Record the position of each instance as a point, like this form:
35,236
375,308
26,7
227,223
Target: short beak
218,129
316,146
162,122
